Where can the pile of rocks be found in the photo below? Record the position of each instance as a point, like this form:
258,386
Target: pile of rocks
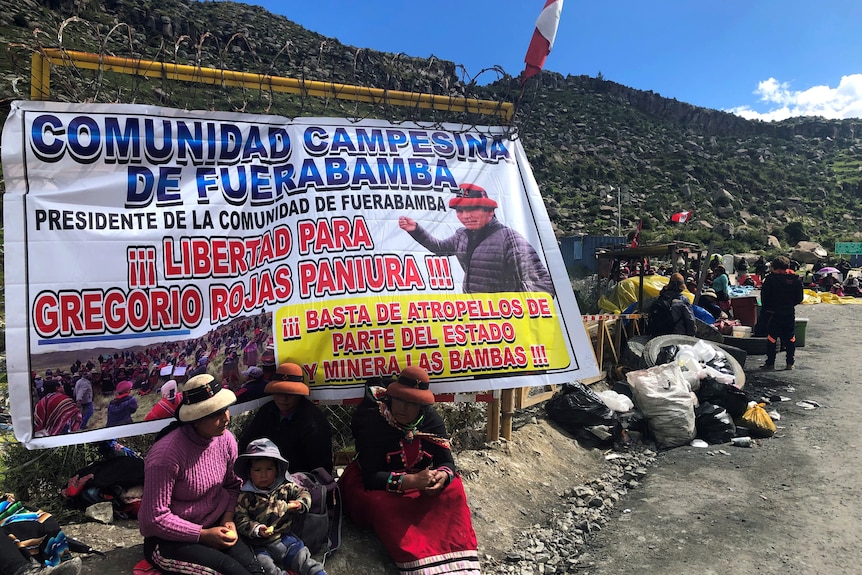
558,545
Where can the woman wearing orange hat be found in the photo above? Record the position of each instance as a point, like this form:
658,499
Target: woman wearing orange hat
404,480
291,421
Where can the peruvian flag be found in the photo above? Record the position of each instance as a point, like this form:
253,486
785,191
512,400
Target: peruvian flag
680,217
636,239
543,38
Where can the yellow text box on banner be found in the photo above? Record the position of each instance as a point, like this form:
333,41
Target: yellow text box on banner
354,339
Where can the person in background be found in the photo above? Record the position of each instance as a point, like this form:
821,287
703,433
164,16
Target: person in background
691,285
680,261
121,408
230,369
761,267
714,262
167,405
84,397
250,354
55,413
779,296
38,386
403,483
695,267
814,284
851,286
709,301
721,283
826,282
269,504
254,386
291,421
191,490
671,311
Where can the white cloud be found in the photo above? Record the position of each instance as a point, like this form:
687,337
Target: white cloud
844,101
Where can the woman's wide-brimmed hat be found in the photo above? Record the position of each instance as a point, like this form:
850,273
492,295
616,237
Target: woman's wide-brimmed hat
260,448
412,385
202,396
289,378
709,292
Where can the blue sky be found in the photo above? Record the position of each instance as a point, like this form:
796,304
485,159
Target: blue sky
767,59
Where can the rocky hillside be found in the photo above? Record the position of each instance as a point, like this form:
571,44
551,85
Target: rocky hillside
591,142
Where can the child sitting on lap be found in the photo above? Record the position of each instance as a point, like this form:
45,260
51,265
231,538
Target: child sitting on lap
268,504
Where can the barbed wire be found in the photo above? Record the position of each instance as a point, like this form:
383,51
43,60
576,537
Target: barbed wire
340,67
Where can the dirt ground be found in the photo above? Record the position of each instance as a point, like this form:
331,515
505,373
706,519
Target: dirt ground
790,504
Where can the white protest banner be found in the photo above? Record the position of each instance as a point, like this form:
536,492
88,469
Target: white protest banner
144,243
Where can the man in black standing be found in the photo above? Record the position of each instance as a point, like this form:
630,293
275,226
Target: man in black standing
781,292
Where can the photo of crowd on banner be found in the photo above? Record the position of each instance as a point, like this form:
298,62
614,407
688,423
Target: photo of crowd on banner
146,383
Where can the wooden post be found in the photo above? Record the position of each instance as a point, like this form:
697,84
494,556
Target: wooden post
618,339
600,345
492,429
508,412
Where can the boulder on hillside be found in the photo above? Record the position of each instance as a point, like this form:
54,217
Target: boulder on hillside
808,252
726,212
725,229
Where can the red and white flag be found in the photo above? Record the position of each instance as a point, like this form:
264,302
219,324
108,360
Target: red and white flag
543,38
680,217
636,239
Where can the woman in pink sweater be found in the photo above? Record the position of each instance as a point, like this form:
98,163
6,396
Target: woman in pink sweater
190,489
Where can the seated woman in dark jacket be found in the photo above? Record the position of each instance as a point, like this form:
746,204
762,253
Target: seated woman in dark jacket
403,483
709,301
296,425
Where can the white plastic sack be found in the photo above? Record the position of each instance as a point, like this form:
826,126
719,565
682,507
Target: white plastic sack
718,376
616,401
665,398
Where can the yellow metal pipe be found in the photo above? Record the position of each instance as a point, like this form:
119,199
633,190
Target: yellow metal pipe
39,87
234,78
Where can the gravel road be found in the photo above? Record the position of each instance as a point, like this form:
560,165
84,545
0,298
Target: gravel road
790,505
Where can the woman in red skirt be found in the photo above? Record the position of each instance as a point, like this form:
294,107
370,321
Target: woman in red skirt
403,483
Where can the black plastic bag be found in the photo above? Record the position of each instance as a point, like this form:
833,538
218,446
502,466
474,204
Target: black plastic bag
713,423
731,398
667,354
578,406
595,437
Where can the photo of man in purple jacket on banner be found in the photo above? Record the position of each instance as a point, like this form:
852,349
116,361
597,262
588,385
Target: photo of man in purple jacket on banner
495,258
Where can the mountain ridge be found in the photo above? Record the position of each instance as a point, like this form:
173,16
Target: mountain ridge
591,142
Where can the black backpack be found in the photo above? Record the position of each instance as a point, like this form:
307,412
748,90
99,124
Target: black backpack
320,528
660,320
